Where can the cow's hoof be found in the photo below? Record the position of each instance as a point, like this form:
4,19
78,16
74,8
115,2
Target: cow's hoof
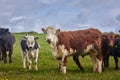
5,61
94,71
10,61
82,69
24,67
63,70
116,68
36,69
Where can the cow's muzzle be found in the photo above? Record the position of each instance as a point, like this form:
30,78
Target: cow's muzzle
48,40
30,48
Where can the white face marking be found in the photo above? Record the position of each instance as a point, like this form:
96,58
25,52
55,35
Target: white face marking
30,41
51,35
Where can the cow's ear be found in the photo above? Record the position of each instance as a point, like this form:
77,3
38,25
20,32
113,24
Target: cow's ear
26,34
36,38
25,37
44,30
57,31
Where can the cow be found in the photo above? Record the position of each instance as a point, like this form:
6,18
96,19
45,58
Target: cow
110,47
107,45
75,43
7,41
116,50
30,49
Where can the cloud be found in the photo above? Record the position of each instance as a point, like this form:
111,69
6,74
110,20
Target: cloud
65,14
18,18
48,1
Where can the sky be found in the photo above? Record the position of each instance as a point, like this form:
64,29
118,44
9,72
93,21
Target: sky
32,15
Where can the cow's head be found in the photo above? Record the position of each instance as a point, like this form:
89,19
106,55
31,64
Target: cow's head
3,30
51,35
30,41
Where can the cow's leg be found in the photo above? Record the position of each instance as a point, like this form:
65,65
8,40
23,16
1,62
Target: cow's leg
94,62
36,59
63,64
97,59
29,64
116,62
104,61
107,61
29,61
0,56
99,64
75,58
4,55
10,55
36,67
24,59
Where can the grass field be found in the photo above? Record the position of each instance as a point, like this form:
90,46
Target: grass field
48,66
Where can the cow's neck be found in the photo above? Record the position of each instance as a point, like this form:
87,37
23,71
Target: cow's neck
54,43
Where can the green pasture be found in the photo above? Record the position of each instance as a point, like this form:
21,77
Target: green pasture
48,66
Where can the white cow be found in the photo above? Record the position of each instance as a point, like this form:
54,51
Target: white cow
30,49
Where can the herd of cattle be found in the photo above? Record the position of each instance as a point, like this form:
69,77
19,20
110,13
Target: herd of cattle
64,44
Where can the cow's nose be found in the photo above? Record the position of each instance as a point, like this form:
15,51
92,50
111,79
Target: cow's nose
48,40
30,47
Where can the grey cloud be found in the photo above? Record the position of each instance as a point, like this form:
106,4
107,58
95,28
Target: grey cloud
118,17
65,13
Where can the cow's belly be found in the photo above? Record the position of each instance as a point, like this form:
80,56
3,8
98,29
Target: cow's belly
61,51
33,53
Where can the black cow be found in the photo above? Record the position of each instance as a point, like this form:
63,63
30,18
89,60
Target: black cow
6,44
116,51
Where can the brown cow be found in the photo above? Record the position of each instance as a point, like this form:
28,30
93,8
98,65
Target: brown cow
75,43
107,44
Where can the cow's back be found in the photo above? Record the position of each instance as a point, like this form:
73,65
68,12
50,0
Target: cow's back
7,40
10,38
80,39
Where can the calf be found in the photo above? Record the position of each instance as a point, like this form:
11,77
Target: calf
30,49
7,41
75,43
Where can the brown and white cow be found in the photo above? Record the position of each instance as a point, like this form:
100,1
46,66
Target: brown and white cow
75,43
